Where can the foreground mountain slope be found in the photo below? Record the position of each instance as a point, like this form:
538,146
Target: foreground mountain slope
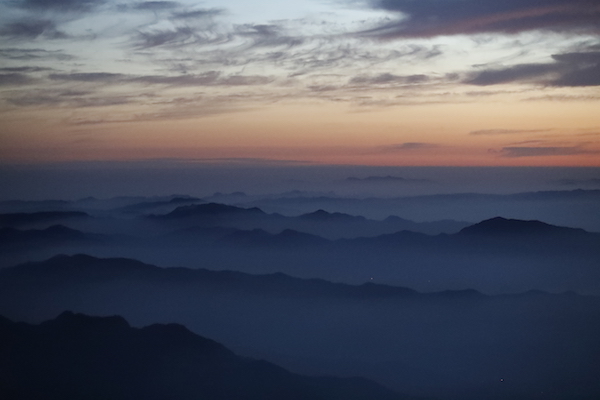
76,356
450,345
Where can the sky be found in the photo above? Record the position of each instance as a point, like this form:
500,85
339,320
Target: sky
317,82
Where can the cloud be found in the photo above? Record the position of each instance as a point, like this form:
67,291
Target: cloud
66,98
174,112
14,79
563,97
506,131
322,88
521,72
514,152
386,179
427,18
34,54
88,77
205,79
249,161
62,5
587,72
210,78
31,29
267,35
244,80
195,14
567,70
156,5
177,36
23,69
387,78
407,146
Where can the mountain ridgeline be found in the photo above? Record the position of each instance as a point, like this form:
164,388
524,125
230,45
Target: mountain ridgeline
447,344
497,255
507,307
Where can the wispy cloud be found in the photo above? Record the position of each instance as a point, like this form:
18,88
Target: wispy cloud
564,97
14,78
210,78
386,179
271,35
506,131
407,146
27,54
88,77
66,98
197,14
249,161
387,78
513,152
156,5
23,69
177,36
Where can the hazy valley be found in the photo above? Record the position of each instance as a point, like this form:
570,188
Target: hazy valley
500,308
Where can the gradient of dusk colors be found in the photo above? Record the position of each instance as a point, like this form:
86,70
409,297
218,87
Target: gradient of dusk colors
366,82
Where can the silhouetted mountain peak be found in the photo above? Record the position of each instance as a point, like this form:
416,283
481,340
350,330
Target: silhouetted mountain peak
78,266
322,215
55,234
396,219
71,320
211,209
503,226
62,230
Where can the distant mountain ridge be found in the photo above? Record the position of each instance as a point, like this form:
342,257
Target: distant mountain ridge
264,243
53,235
583,206
24,219
208,210
503,226
82,266
320,222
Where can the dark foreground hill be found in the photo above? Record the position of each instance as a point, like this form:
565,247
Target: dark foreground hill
449,345
80,357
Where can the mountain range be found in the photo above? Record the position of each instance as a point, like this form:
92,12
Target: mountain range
447,344
401,292
495,256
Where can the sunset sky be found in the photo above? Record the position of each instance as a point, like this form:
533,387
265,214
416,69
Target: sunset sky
364,82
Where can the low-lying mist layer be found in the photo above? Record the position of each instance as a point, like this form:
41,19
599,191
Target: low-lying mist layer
499,307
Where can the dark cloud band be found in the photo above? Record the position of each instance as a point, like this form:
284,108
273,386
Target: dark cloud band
569,69
426,18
